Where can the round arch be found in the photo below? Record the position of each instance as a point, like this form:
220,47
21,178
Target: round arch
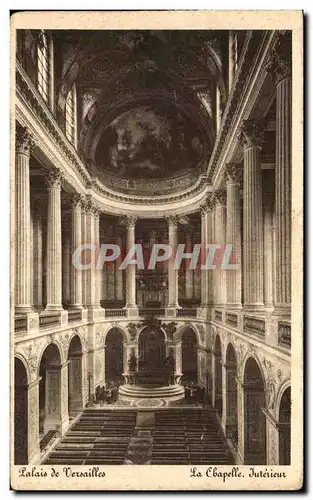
114,356
189,342
140,330
231,394
59,349
75,334
281,391
20,412
284,426
50,389
180,331
23,360
120,329
230,354
246,358
151,350
218,396
254,418
75,375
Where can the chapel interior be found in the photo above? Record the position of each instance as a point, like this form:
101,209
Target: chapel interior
152,137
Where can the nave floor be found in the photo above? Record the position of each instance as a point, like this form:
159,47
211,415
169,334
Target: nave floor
187,435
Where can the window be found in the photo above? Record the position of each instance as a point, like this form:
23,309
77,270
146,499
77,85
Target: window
235,51
70,110
43,65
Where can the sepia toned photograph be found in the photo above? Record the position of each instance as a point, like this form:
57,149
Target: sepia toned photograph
156,246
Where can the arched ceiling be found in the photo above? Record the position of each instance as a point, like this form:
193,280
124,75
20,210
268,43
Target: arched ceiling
146,98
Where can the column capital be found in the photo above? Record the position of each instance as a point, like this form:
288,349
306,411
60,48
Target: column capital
128,220
173,220
220,197
76,200
280,64
251,134
91,208
232,173
24,141
208,205
54,178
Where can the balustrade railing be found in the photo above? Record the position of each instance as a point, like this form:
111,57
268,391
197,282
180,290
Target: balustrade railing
158,311
115,313
218,316
284,334
20,324
47,320
74,316
255,326
184,311
232,319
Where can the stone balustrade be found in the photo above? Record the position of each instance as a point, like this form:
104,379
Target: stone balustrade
256,326
284,334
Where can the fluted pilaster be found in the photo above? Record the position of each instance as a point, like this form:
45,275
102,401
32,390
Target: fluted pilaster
232,174
251,139
54,242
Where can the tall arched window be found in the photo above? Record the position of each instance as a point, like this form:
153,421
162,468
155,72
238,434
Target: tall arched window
70,112
43,78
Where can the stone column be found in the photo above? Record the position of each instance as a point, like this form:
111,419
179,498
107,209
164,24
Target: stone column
172,272
206,239
66,261
75,380
22,222
188,272
213,368
32,421
224,396
76,274
268,251
90,256
281,67
38,258
97,243
272,439
131,268
251,139
241,421
220,239
54,243
232,175
64,397
84,241
178,362
230,405
119,293
56,405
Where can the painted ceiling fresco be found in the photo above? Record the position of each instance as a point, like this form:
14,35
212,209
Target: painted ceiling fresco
150,142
